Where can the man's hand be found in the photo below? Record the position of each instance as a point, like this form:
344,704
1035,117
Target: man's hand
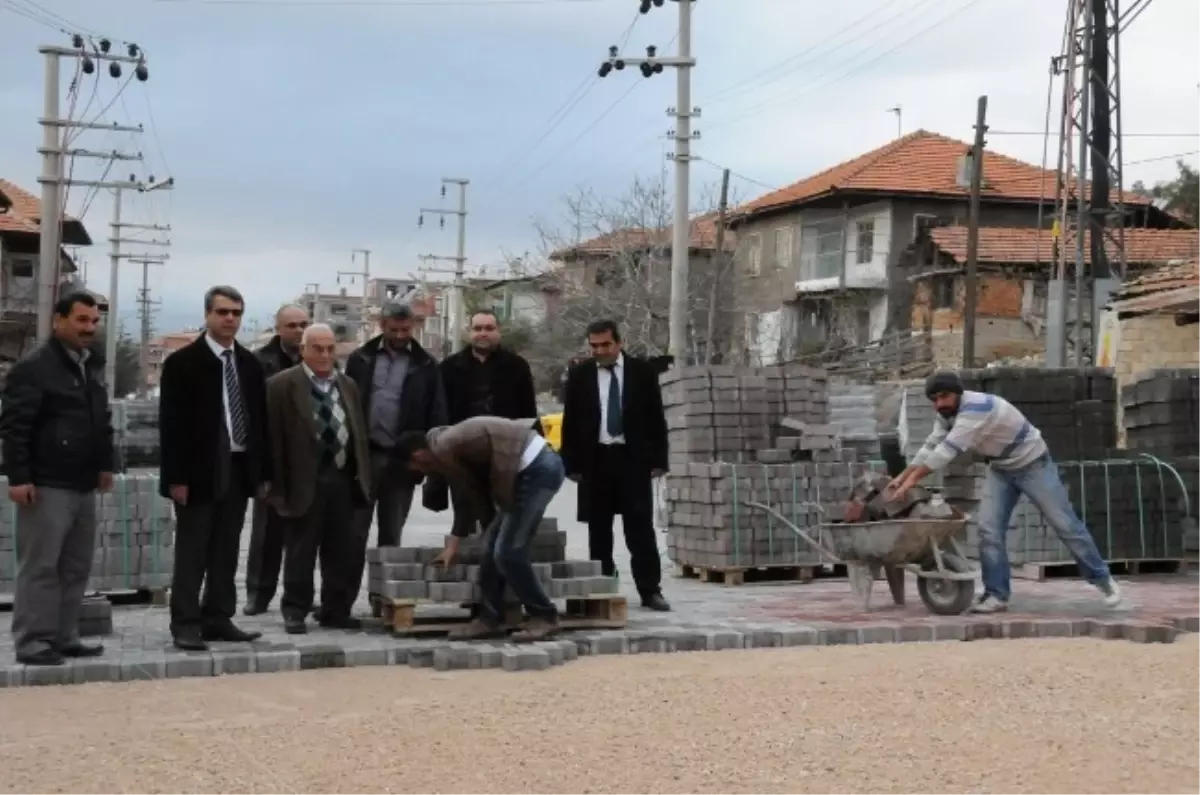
446,558
22,495
106,481
898,488
657,473
179,494
896,482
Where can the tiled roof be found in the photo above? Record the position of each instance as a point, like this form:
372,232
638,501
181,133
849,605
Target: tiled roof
703,238
25,211
1169,288
1013,246
920,163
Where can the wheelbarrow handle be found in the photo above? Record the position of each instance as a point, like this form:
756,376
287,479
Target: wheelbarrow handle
791,526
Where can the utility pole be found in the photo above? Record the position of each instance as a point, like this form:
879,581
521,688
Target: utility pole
112,330
972,280
55,140
683,135
718,267
145,313
899,120
364,332
455,319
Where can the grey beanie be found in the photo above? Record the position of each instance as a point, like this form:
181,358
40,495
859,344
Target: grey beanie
943,381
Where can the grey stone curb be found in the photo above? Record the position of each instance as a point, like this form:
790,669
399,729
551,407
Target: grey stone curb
443,655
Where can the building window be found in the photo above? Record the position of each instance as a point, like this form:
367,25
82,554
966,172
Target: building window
922,223
754,255
943,292
865,239
22,269
783,247
821,255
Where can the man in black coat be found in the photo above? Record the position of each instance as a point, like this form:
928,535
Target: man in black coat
213,432
483,379
58,449
400,386
614,443
266,527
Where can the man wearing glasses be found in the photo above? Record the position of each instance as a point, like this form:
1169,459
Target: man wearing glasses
266,527
213,434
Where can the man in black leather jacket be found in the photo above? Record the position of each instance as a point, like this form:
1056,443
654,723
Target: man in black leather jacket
57,436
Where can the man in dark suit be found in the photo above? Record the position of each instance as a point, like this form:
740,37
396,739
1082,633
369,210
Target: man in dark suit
266,527
322,471
213,433
484,379
614,443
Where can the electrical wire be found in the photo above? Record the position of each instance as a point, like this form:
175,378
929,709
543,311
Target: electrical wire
375,3
1123,135
1161,158
58,19
733,173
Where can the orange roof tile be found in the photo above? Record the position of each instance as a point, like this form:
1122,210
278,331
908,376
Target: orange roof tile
1168,288
1013,246
922,163
25,213
703,238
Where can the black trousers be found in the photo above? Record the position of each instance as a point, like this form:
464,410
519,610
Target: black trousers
615,487
265,558
207,544
326,528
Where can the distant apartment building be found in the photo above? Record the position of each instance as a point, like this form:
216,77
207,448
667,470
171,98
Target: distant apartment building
160,348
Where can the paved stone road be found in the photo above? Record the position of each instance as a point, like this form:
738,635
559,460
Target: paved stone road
706,617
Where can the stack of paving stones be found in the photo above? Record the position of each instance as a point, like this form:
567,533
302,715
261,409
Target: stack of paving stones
797,392
95,617
1160,413
853,411
407,573
712,527
135,537
716,413
1135,508
1075,410
136,425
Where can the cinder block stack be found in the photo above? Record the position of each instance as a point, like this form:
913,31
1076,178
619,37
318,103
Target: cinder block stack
135,537
797,392
1075,410
407,573
136,426
853,409
1160,412
714,413
96,617
713,527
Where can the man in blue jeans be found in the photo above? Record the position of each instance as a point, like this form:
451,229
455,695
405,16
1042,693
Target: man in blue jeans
1018,463
506,462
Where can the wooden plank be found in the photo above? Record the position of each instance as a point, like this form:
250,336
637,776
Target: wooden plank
772,573
598,611
1131,567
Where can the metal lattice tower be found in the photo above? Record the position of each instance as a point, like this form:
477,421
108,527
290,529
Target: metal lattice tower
1089,198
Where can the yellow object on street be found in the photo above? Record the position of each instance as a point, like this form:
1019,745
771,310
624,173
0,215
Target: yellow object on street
552,428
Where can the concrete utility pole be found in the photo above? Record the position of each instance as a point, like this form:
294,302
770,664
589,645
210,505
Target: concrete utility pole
972,280
364,329
455,319
718,267
112,325
145,314
683,135
54,149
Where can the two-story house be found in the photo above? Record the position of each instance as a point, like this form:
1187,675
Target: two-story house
830,243
341,311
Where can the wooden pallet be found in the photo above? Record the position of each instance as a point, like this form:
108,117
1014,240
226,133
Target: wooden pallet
401,616
1132,567
741,575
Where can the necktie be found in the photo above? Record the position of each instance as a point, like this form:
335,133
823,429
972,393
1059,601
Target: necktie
237,407
614,424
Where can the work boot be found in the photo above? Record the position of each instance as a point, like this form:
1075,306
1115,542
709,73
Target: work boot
536,628
476,629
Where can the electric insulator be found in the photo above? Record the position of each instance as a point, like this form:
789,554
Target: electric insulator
618,65
658,3
613,51
658,68
651,50
133,50
114,69
420,221
443,190
645,7
646,69
77,41
88,66
142,73
105,46
442,222
605,68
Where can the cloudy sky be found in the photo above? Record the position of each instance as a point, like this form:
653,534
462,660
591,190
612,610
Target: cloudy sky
298,130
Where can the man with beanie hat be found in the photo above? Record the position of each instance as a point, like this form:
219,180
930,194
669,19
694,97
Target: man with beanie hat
1018,464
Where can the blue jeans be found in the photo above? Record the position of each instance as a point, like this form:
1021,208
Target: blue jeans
1041,484
507,542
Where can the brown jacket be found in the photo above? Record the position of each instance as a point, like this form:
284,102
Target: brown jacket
294,439
490,444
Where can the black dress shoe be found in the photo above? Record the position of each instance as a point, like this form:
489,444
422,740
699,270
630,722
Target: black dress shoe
656,602
230,633
190,641
43,657
82,650
295,626
255,608
341,622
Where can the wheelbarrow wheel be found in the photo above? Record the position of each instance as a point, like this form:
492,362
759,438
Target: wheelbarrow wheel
946,597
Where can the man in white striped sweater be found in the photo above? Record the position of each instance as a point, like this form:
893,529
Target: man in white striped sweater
1018,463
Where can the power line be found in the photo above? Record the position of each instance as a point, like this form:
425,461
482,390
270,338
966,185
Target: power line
1160,158
375,3
706,161
1123,135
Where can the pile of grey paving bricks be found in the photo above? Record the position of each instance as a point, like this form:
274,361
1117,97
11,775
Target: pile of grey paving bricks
853,411
95,617
1160,410
135,425
409,573
135,537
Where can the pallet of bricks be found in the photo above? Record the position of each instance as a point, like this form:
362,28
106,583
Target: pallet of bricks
135,540
136,425
416,597
1135,507
739,436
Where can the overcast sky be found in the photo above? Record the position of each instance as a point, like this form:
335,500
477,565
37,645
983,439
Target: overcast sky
298,130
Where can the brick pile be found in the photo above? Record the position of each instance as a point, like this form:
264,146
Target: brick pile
853,410
135,424
1160,412
408,573
135,537
714,413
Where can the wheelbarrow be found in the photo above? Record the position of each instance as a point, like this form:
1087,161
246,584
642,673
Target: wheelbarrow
925,547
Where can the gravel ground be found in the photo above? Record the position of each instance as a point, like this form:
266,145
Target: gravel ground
994,716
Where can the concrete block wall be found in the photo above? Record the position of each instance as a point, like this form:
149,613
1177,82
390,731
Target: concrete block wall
1159,412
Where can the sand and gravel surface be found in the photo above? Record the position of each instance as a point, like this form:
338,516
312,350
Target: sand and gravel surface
990,716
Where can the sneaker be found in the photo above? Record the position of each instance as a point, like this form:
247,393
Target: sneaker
989,604
1111,591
